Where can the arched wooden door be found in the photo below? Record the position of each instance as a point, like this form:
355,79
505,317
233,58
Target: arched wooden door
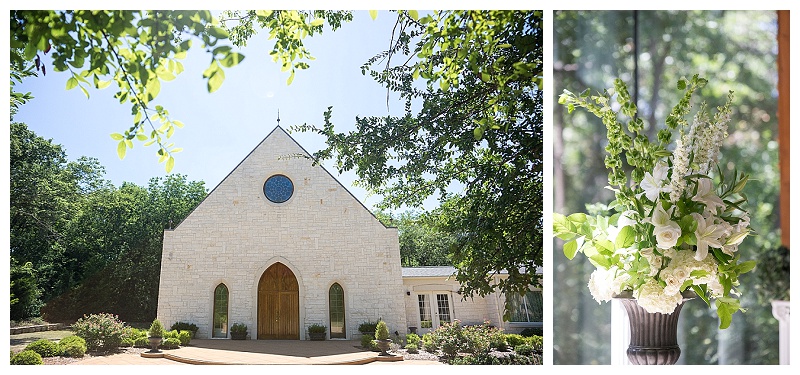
278,304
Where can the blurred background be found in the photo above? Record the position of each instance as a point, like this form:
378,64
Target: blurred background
651,50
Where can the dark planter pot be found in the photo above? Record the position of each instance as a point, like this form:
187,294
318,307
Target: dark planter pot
317,336
154,343
654,336
238,335
383,345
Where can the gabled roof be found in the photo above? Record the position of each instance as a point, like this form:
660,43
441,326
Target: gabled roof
306,154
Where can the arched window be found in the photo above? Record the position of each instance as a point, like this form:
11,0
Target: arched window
220,311
336,306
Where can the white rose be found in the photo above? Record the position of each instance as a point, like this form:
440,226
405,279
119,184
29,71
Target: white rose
667,235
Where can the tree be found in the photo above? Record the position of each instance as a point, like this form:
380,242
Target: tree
479,130
420,243
137,50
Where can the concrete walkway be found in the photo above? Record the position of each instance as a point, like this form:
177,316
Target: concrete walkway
257,352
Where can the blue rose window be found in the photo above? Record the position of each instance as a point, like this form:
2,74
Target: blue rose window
278,188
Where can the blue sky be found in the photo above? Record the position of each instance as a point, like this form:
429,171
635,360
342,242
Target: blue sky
224,126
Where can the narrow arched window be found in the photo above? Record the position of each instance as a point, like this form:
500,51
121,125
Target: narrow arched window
220,311
336,305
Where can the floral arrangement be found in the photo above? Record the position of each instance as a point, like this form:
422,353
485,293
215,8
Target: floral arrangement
675,227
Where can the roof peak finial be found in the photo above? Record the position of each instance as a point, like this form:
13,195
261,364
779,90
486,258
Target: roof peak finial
279,117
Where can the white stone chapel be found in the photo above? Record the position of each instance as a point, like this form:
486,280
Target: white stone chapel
280,245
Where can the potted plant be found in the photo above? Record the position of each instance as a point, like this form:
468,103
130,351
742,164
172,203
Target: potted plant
238,331
367,328
317,332
382,337
183,326
155,335
674,229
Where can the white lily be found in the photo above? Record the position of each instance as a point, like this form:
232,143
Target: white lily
708,234
706,195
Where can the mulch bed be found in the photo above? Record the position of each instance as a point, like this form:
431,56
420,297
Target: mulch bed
70,360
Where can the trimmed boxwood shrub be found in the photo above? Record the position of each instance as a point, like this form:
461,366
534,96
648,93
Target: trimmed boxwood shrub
27,357
142,342
428,343
413,338
185,337
412,348
514,339
45,348
171,343
72,346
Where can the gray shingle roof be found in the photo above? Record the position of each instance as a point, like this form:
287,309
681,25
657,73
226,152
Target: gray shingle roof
429,271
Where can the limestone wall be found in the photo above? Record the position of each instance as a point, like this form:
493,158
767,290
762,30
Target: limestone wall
322,233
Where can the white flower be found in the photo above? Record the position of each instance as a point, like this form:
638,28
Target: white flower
604,284
653,184
654,299
667,235
673,282
626,219
706,195
707,235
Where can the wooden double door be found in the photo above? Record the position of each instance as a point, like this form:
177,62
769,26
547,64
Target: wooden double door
278,304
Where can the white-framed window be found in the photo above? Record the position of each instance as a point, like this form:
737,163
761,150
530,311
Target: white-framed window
425,320
443,307
527,308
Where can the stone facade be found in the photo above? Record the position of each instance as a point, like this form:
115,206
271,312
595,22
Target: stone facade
322,233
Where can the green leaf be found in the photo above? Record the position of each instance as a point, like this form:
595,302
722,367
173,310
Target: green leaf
570,249
318,22
291,78
215,81
625,238
373,14
117,136
413,14
141,137
232,59
121,149
72,83
170,164
478,133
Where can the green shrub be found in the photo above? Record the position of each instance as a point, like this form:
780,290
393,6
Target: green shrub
412,348
126,343
72,346
412,338
156,329
171,343
141,342
366,339
524,349
45,348
317,328
185,337
514,339
528,332
488,359
101,331
428,343
381,331
27,357
498,342
172,335
452,338
535,341
239,328
183,326
367,327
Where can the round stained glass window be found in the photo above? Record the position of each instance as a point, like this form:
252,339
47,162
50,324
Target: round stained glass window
278,188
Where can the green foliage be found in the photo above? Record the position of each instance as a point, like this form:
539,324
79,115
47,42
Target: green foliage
26,357
514,339
185,337
141,342
367,327
137,50
381,331
183,326
412,348
429,343
412,338
127,342
366,341
489,359
239,328
479,126
453,338
421,244
101,331
525,349
528,332
317,328
171,343
287,27
45,348
772,274
73,346
156,329
24,290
